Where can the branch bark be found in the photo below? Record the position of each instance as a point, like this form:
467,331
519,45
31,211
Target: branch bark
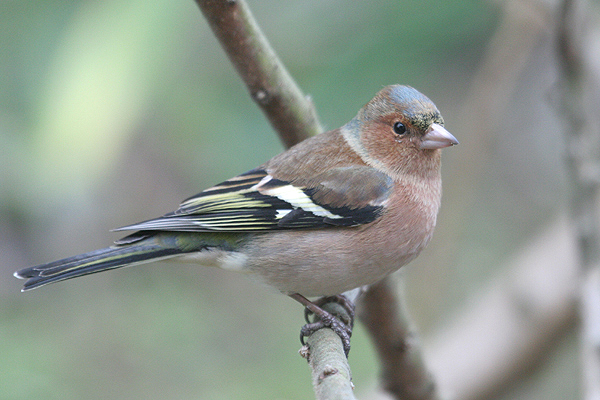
331,375
403,374
289,111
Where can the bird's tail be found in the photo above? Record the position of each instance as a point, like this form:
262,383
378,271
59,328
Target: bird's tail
144,250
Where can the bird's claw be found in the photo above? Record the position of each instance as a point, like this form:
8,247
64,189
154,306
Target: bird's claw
343,328
331,322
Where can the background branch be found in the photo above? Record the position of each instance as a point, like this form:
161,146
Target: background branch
579,108
403,371
512,323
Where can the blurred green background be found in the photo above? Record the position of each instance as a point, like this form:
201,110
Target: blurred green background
111,112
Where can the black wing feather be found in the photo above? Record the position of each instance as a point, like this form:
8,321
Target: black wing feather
253,202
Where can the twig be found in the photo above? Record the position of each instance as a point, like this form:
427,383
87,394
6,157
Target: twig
288,110
582,128
403,374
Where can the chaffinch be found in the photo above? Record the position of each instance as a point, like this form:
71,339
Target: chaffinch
337,211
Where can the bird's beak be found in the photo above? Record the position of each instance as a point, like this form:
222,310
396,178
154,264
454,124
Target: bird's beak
437,137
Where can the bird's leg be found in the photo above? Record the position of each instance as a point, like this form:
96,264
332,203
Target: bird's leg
343,328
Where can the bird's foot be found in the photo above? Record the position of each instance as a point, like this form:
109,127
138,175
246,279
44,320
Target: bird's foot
340,299
341,323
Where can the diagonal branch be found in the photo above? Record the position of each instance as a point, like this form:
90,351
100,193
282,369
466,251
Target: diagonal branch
289,111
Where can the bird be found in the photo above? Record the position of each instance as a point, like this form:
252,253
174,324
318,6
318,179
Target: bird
340,210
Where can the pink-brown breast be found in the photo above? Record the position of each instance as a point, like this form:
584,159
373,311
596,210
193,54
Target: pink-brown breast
331,261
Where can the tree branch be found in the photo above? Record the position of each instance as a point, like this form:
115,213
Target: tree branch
403,374
289,111
324,352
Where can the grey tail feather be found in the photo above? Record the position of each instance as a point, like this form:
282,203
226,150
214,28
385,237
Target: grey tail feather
92,262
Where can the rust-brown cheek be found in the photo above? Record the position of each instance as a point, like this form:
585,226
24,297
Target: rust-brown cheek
391,150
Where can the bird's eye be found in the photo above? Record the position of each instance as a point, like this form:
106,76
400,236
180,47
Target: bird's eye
399,128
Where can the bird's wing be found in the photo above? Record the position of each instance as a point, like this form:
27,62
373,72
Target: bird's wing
258,201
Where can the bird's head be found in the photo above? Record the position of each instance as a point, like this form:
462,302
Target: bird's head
400,130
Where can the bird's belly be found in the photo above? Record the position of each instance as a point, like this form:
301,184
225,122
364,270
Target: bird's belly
321,263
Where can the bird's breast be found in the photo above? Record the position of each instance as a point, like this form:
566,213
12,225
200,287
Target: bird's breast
331,261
